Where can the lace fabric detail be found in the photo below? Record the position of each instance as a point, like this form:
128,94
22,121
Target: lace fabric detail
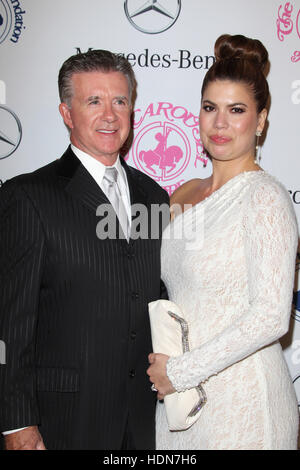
236,293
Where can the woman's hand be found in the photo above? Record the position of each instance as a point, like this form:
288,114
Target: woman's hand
158,375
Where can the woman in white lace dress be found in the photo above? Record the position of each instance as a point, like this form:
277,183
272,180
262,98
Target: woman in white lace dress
235,289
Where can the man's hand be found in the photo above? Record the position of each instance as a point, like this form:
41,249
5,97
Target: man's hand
27,439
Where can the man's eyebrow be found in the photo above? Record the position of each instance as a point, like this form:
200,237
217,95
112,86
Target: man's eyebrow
92,98
121,97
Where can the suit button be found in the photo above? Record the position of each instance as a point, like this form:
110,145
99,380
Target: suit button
132,373
133,335
135,296
130,256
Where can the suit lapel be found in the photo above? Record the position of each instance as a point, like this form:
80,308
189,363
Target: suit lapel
82,186
140,220
79,183
136,190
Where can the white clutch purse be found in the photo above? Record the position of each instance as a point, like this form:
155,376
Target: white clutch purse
170,336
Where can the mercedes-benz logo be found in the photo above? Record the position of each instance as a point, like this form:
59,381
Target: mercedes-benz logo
6,19
10,132
152,16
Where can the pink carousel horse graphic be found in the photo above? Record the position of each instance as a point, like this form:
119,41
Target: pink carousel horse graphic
162,156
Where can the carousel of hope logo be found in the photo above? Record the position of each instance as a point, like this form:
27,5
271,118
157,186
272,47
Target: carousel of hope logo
167,143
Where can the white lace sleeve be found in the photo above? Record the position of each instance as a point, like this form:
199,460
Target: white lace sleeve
270,241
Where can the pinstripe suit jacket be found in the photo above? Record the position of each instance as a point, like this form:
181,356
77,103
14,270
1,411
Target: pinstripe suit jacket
73,311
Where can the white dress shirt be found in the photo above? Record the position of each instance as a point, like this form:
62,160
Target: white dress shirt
97,170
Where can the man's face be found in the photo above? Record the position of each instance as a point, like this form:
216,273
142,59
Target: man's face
99,116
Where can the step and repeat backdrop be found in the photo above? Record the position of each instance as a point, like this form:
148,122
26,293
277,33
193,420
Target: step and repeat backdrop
170,44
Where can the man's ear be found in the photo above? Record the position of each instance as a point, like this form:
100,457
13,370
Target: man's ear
66,115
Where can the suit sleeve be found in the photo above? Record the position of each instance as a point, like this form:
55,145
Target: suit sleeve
22,247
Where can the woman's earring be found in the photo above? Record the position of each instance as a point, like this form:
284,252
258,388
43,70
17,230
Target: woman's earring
204,157
257,149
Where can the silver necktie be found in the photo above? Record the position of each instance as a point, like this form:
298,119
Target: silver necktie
113,193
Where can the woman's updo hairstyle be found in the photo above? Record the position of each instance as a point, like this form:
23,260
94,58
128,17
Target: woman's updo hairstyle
241,59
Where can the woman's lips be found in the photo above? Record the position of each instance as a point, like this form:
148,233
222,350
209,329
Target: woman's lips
219,139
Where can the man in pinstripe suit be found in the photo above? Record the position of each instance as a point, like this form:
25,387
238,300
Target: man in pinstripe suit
73,306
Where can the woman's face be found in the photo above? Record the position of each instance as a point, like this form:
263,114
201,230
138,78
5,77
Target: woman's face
229,120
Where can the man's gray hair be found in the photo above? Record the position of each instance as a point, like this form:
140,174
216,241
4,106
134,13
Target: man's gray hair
93,61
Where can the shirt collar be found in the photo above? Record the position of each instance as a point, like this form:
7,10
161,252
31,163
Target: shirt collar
94,167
